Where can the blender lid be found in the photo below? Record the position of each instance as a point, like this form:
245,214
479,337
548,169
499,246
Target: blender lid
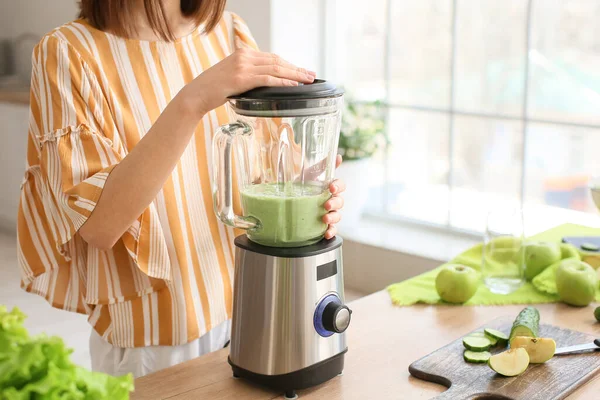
317,98
317,90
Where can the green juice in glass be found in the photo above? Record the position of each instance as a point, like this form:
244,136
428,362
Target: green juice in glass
290,215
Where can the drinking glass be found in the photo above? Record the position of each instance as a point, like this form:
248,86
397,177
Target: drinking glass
503,263
594,186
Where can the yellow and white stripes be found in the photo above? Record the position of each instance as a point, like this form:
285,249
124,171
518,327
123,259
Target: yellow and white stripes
93,97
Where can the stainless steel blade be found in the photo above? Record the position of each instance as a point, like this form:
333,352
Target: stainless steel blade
576,348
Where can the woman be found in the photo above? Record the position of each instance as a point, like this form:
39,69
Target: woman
116,217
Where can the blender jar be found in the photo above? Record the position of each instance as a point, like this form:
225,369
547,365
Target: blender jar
285,141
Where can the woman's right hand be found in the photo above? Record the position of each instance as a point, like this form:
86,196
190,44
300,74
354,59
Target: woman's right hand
243,70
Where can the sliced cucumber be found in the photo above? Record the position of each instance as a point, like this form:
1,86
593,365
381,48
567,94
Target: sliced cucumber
477,343
493,340
500,337
476,356
527,323
590,247
476,334
512,362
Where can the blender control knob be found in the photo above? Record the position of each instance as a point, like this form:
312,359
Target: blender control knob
336,317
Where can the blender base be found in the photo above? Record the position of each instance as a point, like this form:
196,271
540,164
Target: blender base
302,379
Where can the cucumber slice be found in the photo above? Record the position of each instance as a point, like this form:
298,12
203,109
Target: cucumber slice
476,356
512,362
589,246
540,350
500,337
527,323
476,334
493,340
477,343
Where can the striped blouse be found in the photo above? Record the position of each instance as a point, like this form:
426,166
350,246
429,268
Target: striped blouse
94,95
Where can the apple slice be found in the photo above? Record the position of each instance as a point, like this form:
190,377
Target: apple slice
540,350
511,362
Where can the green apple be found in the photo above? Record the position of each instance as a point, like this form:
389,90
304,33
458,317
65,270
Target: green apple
569,251
457,283
576,282
539,256
511,362
540,350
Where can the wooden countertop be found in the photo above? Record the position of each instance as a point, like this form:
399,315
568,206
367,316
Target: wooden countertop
382,341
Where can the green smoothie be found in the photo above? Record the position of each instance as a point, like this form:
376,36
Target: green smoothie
290,215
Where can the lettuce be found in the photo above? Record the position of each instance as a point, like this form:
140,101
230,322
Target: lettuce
40,368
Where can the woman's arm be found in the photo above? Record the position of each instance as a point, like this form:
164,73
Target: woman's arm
136,180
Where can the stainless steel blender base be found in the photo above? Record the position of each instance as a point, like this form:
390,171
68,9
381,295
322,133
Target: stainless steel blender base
297,380
289,317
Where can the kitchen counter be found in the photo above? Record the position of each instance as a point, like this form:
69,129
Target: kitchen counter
382,341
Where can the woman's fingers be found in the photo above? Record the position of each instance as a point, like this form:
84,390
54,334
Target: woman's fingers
331,232
269,80
334,203
338,161
337,186
278,71
332,218
276,62
273,59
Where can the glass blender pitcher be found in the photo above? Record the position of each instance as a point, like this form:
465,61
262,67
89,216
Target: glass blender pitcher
285,141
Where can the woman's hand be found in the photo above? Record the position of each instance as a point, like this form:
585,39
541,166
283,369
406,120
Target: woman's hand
243,70
334,204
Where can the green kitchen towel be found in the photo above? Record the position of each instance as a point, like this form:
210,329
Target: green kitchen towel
421,288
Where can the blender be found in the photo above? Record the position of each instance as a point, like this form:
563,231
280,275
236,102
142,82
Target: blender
289,316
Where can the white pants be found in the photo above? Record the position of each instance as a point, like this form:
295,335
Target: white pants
141,361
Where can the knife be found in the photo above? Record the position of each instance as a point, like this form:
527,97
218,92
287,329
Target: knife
579,347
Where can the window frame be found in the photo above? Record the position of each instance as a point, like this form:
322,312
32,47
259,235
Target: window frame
328,24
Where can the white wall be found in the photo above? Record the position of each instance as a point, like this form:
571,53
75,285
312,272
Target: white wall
36,16
33,18
13,131
41,16
257,14
296,32
290,28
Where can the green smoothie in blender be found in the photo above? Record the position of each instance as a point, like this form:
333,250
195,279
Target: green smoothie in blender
289,215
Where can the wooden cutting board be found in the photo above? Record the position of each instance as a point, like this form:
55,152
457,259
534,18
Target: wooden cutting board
555,379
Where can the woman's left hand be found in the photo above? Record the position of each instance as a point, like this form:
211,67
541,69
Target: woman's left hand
334,204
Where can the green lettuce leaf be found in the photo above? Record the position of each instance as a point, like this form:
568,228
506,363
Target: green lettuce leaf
40,368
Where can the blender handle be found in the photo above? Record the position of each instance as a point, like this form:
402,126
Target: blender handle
223,171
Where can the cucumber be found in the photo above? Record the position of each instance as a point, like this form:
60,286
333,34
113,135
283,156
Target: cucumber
476,356
527,323
476,334
477,343
590,247
500,337
492,339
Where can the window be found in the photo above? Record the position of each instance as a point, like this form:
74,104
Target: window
489,103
